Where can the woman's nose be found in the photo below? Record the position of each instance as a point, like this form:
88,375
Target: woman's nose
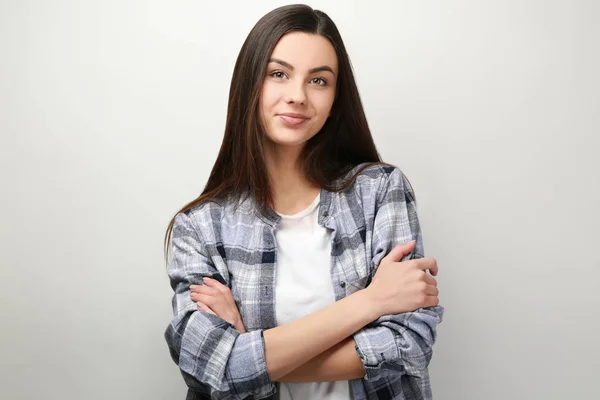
296,94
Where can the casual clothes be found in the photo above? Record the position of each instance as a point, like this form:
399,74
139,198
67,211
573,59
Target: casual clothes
236,244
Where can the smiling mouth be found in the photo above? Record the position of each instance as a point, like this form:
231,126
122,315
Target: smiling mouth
292,120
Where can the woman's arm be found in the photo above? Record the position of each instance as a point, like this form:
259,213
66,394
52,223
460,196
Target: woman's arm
289,346
395,288
339,363
412,333
217,360
304,342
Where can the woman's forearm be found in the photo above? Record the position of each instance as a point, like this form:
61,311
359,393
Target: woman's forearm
289,346
339,363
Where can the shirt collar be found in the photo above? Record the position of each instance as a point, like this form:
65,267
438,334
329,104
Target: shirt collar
271,218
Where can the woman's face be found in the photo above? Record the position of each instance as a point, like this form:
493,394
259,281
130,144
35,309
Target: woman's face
299,88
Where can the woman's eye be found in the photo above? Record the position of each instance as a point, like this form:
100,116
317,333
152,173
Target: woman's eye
319,81
277,74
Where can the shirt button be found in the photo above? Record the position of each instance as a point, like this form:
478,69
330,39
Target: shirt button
326,214
343,284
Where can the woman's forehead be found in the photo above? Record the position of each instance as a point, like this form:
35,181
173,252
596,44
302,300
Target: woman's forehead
304,51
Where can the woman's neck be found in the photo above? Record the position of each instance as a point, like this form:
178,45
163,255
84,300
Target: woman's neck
292,192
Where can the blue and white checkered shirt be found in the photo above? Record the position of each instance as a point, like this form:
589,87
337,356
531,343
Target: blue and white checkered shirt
237,246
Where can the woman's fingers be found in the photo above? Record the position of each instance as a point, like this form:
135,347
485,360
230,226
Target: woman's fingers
213,294
432,301
205,308
215,284
215,298
432,291
427,263
399,252
204,289
430,280
203,298
221,290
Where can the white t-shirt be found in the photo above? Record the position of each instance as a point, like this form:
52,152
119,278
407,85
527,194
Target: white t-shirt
302,286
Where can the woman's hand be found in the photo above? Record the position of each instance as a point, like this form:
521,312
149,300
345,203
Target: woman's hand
215,298
399,287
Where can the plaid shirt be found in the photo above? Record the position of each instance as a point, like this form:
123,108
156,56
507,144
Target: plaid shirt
237,246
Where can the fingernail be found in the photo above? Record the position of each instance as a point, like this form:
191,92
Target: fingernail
205,279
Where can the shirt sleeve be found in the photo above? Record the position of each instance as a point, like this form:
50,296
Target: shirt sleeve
396,345
213,357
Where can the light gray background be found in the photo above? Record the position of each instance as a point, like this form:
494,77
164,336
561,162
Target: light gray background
112,113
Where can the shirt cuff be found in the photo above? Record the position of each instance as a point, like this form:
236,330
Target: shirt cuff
247,367
377,349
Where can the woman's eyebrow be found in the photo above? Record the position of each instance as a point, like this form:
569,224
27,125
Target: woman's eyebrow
310,71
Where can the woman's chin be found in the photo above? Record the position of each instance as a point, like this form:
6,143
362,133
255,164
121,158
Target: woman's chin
289,141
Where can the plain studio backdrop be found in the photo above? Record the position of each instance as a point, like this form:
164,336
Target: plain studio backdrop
112,114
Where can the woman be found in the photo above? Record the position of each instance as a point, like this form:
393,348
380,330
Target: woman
314,237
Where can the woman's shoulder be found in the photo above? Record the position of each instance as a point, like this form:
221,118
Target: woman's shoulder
375,186
375,177
215,212
204,208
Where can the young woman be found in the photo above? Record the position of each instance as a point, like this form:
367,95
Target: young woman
299,273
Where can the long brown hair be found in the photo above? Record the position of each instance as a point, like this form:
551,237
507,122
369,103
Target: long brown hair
344,142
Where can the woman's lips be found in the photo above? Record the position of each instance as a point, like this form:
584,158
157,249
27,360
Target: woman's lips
292,120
